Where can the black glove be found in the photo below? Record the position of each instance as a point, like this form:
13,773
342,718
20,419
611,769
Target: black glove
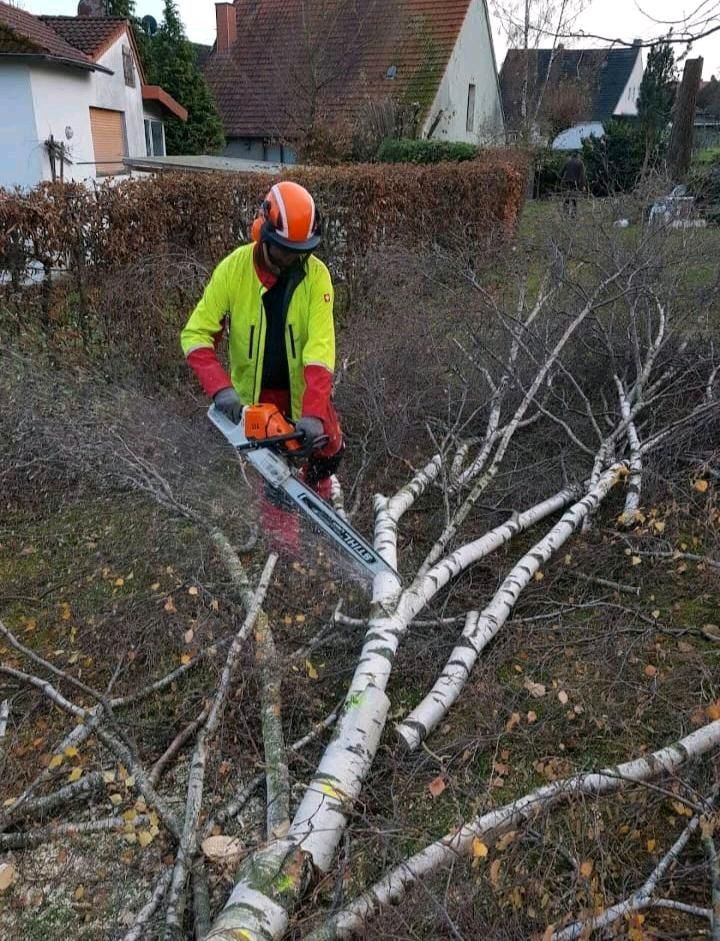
228,402
315,436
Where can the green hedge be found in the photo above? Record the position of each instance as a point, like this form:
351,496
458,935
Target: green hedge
405,150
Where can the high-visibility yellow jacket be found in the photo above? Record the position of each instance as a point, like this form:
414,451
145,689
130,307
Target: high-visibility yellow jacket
235,291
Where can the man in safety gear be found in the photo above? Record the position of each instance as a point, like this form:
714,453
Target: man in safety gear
276,299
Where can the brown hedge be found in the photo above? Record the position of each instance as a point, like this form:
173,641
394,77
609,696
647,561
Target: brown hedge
205,215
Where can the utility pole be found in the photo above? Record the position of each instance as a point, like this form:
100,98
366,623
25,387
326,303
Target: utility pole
681,138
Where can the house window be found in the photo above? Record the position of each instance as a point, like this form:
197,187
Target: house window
128,67
470,123
154,138
109,141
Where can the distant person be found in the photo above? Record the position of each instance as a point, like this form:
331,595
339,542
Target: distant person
573,181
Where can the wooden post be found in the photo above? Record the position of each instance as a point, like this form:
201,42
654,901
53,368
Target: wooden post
681,138
50,144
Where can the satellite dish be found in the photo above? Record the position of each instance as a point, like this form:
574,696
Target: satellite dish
149,25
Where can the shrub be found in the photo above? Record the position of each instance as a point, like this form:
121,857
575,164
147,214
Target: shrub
406,150
134,255
548,168
614,163
704,184
378,119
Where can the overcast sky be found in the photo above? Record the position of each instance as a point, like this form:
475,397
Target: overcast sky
604,17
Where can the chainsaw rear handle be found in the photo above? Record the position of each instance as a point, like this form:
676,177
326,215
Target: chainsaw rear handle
254,444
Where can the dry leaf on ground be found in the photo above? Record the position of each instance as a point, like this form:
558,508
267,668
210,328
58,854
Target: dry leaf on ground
222,849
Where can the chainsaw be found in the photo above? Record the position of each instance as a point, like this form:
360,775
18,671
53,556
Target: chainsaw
270,443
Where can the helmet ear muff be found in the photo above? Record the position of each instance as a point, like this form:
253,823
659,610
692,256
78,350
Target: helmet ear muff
263,223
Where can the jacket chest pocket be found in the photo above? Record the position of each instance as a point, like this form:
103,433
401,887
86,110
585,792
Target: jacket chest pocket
295,337
245,330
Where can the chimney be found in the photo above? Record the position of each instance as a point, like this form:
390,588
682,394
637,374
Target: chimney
226,26
92,8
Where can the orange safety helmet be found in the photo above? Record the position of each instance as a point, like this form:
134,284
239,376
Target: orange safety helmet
289,218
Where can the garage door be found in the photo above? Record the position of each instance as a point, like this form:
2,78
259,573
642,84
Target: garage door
108,132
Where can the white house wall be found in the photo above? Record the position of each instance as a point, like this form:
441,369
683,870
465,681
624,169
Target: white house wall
40,100
21,152
111,92
472,63
62,98
627,105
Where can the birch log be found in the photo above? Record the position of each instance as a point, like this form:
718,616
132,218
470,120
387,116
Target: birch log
443,853
277,776
634,486
271,882
480,629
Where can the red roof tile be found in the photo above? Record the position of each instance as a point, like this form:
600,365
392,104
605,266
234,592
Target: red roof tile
25,34
90,34
263,85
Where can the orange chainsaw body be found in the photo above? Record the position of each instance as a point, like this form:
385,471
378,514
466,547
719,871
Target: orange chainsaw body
267,421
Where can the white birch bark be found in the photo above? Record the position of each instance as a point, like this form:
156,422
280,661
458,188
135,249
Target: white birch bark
394,885
481,628
4,717
277,775
277,873
634,486
322,815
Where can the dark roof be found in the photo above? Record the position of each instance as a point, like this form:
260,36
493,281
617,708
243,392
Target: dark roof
605,73
22,33
90,34
202,53
262,84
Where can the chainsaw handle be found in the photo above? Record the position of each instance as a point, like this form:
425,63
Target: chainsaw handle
254,444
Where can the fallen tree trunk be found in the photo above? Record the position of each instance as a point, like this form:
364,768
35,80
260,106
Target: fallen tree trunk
481,628
393,886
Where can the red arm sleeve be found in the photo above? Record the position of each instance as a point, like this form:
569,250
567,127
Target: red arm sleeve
209,370
318,390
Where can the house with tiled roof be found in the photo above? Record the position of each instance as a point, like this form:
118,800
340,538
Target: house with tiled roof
279,67
586,87
75,102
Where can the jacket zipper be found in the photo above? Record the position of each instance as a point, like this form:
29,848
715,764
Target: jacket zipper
292,341
252,336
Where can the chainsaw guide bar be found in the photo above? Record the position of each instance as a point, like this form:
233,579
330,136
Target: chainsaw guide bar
270,463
